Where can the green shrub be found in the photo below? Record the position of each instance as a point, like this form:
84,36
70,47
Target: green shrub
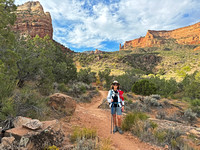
42,61
45,88
173,143
128,79
192,90
8,73
77,88
165,87
167,136
183,71
80,133
144,87
29,103
25,102
86,76
190,86
195,102
8,19
65,71
131,119
153,125
160,136
83,89
7,108
105,77
62,87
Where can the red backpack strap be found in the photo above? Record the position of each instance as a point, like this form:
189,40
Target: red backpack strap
121,95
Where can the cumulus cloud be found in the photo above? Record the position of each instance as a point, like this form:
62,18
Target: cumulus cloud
90,23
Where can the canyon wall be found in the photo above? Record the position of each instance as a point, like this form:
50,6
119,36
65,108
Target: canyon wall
189,35
32,20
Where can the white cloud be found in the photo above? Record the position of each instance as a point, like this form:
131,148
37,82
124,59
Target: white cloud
88,23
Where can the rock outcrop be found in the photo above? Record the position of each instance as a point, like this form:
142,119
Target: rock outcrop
32,20
96,52
20,137
189,35
62,104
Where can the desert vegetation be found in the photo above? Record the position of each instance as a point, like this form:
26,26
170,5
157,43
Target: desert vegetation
31,69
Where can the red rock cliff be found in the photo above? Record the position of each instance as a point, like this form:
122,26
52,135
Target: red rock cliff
186,35
32,20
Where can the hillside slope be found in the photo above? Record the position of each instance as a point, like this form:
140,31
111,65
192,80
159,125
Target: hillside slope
169,60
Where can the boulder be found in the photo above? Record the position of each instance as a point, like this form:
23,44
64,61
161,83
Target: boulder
50,133
62,104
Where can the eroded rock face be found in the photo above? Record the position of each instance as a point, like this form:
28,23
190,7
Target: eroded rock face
189,35
96,52
32,20
62,104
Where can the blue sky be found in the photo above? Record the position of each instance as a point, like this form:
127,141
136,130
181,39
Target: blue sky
84,25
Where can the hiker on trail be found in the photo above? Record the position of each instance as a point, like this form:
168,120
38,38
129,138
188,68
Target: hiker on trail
116,101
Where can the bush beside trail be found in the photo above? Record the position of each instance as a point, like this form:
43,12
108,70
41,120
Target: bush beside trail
144,87
150,131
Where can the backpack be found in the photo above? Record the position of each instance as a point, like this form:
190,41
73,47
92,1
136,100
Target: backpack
121,95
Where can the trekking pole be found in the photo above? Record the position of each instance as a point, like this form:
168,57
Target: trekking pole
113,125
111,118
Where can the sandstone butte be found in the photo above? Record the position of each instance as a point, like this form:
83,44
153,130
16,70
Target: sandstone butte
32,20
189,35
96,52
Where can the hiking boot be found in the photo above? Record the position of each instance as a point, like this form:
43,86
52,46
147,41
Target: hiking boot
115,129
120,130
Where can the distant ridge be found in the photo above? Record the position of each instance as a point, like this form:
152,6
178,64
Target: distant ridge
94,52
189,35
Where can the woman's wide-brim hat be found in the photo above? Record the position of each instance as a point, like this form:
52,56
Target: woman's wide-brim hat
115,82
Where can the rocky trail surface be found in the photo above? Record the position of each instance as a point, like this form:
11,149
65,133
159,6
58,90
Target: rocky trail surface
90,116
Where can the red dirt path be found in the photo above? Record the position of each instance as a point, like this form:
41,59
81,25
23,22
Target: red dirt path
89,115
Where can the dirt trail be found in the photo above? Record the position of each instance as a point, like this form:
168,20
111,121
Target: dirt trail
89,115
